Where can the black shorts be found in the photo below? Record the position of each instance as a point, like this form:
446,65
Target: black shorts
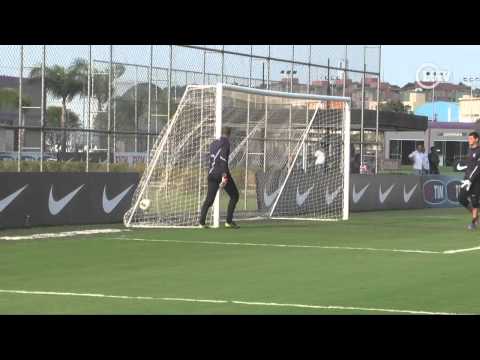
471,197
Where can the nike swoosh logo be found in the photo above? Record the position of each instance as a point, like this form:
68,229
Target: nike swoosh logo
383,195
302,197
461,168
358,195
330,197
55,206
408,195
109,205
268,199
7,200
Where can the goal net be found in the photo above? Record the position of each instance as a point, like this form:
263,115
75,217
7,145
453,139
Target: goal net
289,157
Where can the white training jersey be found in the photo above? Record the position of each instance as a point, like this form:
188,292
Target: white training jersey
420,160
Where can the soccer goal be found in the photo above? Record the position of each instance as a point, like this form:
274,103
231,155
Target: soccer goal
289,158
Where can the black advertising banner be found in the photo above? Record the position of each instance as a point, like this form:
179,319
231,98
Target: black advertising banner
102,198
385,192
64,198
304,193
441,191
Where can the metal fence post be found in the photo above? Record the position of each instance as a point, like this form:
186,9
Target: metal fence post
268,69
20,109
204,65
379,79
223,61
135,95
248,131
149,115
309,69
362,107
114,100
109,107
89,98
345,71
169,82
292,68
42,108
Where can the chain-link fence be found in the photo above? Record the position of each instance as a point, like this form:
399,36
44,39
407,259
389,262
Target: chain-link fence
100,107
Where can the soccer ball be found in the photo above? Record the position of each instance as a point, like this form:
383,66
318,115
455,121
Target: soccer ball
144,204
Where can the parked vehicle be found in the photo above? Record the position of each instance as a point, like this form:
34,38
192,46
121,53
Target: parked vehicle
6,157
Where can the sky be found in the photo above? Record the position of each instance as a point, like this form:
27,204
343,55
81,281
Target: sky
400,62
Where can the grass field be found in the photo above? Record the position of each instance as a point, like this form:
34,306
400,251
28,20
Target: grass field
392,262
408,170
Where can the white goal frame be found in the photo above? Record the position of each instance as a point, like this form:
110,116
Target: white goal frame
219,90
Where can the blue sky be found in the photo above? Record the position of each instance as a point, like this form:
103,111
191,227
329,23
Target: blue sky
400,62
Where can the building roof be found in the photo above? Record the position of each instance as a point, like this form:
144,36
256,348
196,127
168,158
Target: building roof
445,111
388,121
439,87
8,81
454,125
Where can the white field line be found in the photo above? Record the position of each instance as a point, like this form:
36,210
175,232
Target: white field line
461,250
63,234
238,302
109,231
282,245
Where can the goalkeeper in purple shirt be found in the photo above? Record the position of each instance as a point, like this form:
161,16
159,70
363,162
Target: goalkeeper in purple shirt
469,195
219,177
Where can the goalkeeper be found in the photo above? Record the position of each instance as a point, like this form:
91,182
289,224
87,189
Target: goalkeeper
470,189
219,177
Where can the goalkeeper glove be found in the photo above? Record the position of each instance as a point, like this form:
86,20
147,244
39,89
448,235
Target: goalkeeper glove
224,180
466,184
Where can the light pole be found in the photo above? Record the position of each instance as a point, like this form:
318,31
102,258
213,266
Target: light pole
263,62
290,77
471,80
332,84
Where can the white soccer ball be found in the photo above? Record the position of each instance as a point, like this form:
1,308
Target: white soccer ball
320,155
144,204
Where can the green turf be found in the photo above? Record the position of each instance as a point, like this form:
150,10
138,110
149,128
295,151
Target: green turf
108,265
408,170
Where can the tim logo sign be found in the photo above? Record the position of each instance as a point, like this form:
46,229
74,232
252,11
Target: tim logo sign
441,192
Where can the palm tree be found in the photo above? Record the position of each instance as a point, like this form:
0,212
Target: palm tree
53,118
62,83
100,80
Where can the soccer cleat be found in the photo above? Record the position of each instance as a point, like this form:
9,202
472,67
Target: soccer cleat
472,226
204,226
231,225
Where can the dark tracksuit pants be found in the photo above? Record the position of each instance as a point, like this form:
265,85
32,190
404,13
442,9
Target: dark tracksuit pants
213,186
473,194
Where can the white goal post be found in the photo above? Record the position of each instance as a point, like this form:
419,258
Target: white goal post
290,158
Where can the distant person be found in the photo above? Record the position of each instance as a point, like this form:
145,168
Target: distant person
433,161
420,161
355,164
